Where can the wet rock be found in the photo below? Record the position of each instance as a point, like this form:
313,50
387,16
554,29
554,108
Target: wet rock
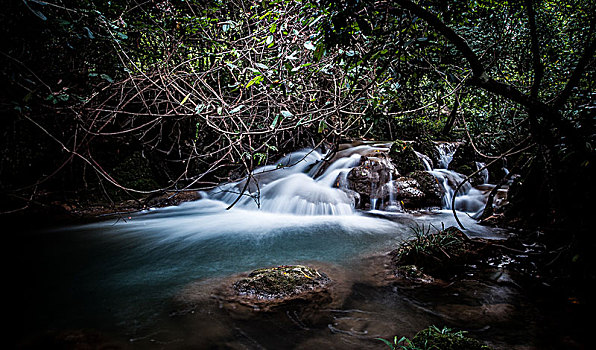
430,186
281,282
408,190
404,157
413,274
409,193
172,198
465,162
434,254
427,147
353,196
289,285
370,176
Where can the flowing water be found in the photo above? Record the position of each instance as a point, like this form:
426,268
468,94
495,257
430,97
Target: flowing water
121,276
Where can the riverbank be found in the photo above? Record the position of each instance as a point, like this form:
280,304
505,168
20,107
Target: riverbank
46,211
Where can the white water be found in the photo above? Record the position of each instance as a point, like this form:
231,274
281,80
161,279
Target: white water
467,199
291,187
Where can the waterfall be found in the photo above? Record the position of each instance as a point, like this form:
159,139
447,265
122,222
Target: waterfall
391,190
373,203
468,198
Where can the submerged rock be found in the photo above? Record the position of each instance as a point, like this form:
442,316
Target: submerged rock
281,282
279,288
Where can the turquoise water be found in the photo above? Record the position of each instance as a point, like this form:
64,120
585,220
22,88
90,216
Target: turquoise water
123,274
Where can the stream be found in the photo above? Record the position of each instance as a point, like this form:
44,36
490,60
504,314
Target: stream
122,279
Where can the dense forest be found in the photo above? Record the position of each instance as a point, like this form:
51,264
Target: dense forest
112,101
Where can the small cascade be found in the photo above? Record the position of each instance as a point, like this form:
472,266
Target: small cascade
391,190
468,198
392,203
373,203
446,152
484,173
426,161
292,185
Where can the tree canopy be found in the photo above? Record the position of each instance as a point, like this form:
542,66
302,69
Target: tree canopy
189,93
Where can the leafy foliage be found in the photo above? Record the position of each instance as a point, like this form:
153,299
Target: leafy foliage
433,338
205,89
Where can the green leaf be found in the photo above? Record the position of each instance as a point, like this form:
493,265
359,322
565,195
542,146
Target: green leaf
255,80
265,15
318,54
274,123
269,40
387,342
185,99
237,109
106,78
322,126
286,114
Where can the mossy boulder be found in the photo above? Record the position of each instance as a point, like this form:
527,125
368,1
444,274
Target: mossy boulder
435,253
404,157
430,186
281,282
433,338
426,146
464,162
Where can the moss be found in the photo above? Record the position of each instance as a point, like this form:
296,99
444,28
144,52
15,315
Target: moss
281,281
433,338
425,145
404,157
